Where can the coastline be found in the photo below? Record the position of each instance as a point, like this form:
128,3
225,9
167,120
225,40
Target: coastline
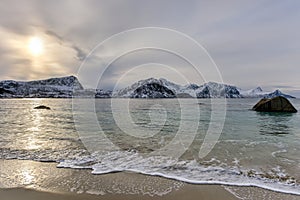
187,193
23,179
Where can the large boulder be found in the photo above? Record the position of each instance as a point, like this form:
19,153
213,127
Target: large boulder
276,104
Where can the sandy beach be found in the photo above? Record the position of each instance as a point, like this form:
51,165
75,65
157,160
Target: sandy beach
21,179
203,192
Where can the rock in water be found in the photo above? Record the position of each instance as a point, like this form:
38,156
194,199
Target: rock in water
276,104
42,107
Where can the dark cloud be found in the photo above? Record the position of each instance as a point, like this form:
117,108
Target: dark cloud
80,53
55,35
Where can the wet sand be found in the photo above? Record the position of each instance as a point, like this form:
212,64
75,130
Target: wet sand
187,193
20,179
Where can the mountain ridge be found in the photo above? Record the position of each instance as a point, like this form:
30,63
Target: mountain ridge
207,90
62,87
69,86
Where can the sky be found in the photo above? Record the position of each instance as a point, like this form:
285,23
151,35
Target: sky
251,43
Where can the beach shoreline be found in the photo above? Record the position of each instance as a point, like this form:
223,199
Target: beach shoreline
189,193
23,179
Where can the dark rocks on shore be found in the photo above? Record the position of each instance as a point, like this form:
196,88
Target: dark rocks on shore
42,107
276,104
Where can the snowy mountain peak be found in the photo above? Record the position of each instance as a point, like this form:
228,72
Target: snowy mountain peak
68,82
253,93
258,89
149,88
277,93
218,90
53,87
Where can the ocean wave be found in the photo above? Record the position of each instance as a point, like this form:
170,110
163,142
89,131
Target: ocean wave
187,171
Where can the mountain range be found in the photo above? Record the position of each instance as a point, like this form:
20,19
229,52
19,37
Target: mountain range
67,87
49,88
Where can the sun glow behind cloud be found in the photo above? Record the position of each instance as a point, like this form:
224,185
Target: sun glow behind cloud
36,46
34,55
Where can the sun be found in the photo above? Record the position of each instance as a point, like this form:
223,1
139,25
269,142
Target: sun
35,46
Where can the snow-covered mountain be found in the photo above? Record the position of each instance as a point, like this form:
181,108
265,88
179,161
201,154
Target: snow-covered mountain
217,90
53,87
149,88
277,93
259,93
253,93
69,86
162,88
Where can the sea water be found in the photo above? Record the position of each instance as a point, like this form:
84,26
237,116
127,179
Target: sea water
158,137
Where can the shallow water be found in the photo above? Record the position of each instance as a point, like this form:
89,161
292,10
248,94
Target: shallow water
253,148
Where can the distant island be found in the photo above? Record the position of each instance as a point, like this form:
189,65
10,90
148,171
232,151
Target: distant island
69,86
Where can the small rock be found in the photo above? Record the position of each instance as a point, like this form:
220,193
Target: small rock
42,107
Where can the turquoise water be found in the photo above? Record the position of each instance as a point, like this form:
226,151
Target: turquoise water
158,137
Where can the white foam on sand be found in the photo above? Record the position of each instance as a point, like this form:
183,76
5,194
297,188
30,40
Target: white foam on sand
186,171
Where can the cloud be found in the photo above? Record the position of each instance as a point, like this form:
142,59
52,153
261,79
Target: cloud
253,43
53,34
284,86
80,53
